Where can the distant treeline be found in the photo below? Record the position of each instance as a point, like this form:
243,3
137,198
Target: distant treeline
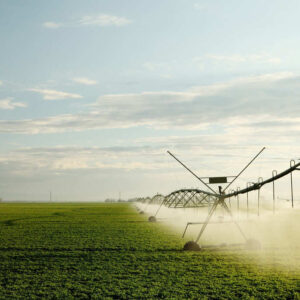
109,200
114,200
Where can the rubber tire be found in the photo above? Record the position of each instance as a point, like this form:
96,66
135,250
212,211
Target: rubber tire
191,246
152,219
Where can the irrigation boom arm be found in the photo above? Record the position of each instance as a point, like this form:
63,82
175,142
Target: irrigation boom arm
258,185
245,168
191,172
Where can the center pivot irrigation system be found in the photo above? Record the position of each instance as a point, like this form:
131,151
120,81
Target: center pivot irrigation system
194,198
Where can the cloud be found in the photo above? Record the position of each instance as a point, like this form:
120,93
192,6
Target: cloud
199,6
85,81
102,20
228,151
1,82
233,121
151,66
221,154
261,58
163,70
8,103
52,25
55,95
237,102
88,171
33,160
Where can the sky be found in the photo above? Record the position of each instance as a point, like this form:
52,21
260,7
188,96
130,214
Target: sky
93,93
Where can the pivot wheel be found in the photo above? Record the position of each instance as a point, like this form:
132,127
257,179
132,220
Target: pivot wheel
191,246
152,219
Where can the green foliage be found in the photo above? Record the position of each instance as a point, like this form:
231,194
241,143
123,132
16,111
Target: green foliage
108,251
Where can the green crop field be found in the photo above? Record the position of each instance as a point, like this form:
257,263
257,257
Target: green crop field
109,251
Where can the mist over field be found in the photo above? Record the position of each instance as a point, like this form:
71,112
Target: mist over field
278,233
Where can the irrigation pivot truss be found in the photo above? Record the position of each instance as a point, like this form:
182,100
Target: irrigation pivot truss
183,198
188,198
195,198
